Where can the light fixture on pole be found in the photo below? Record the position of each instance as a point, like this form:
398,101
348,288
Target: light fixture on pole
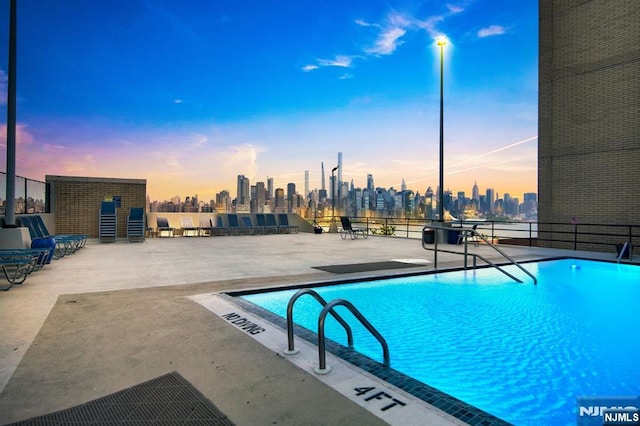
333,227
333,191
442,41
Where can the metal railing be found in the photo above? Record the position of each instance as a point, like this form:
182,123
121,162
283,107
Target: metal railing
327,308
465,233
30,195
602,237
291,350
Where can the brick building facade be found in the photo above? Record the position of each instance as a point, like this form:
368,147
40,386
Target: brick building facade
589,115
75,201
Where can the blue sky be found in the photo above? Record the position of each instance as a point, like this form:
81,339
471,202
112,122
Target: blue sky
189,94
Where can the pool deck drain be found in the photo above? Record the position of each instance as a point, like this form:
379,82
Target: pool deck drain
389,403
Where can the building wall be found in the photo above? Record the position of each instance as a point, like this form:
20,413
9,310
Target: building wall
75,202
589,114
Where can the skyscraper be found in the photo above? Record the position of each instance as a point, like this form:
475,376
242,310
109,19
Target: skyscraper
323,187
269,188
306,184
243,194
475,192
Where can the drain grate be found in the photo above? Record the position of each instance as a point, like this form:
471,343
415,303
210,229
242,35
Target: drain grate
168,399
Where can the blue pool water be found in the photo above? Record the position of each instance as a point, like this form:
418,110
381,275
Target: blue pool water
521,352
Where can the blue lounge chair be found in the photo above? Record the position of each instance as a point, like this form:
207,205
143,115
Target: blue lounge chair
234,225
107,222
218,228
284,224
264,227
271,221
16,264
247,225
40,237
135,224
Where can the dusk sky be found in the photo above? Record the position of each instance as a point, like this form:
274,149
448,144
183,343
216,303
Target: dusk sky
189,94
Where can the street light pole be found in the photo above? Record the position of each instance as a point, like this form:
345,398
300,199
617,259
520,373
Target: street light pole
333,227
441,42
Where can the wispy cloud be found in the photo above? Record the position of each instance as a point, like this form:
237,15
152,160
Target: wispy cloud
364,23
341,61
389,35
491,30
387,41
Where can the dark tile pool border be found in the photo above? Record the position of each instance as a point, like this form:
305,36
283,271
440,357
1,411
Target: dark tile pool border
443,401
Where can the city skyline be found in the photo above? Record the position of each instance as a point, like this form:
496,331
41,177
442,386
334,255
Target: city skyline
188,98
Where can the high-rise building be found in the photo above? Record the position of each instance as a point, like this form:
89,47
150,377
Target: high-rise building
260,197
269,188
306,184
323,187
280,205
475,192
243,195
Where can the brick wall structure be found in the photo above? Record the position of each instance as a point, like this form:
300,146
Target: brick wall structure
75,201
589,114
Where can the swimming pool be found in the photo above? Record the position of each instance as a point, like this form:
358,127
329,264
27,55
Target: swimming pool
521,352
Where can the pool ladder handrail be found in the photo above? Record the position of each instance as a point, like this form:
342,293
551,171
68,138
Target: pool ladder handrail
328,309
322,368
290,345
473,232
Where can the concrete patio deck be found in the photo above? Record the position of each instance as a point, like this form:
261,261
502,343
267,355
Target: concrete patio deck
114,315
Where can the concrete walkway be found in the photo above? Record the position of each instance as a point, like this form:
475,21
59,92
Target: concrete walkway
115,315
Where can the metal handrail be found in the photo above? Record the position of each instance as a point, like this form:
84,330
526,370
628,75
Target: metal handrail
323,369
473,232
290,347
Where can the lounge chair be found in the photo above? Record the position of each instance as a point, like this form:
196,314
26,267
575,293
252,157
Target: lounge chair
264,227
247,225
471,235
16,264
234,225
107,222
63,244
218,228
284,224
349,230
189,228
135,224
163,226
271,222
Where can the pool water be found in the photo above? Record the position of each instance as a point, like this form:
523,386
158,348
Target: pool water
521,352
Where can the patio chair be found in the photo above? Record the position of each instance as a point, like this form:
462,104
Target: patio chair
218,228
65,244
234,225
162,224
189,227
16,264
264,227
271,222
349,230
107,222
284,223
135,224
247,225
471,236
